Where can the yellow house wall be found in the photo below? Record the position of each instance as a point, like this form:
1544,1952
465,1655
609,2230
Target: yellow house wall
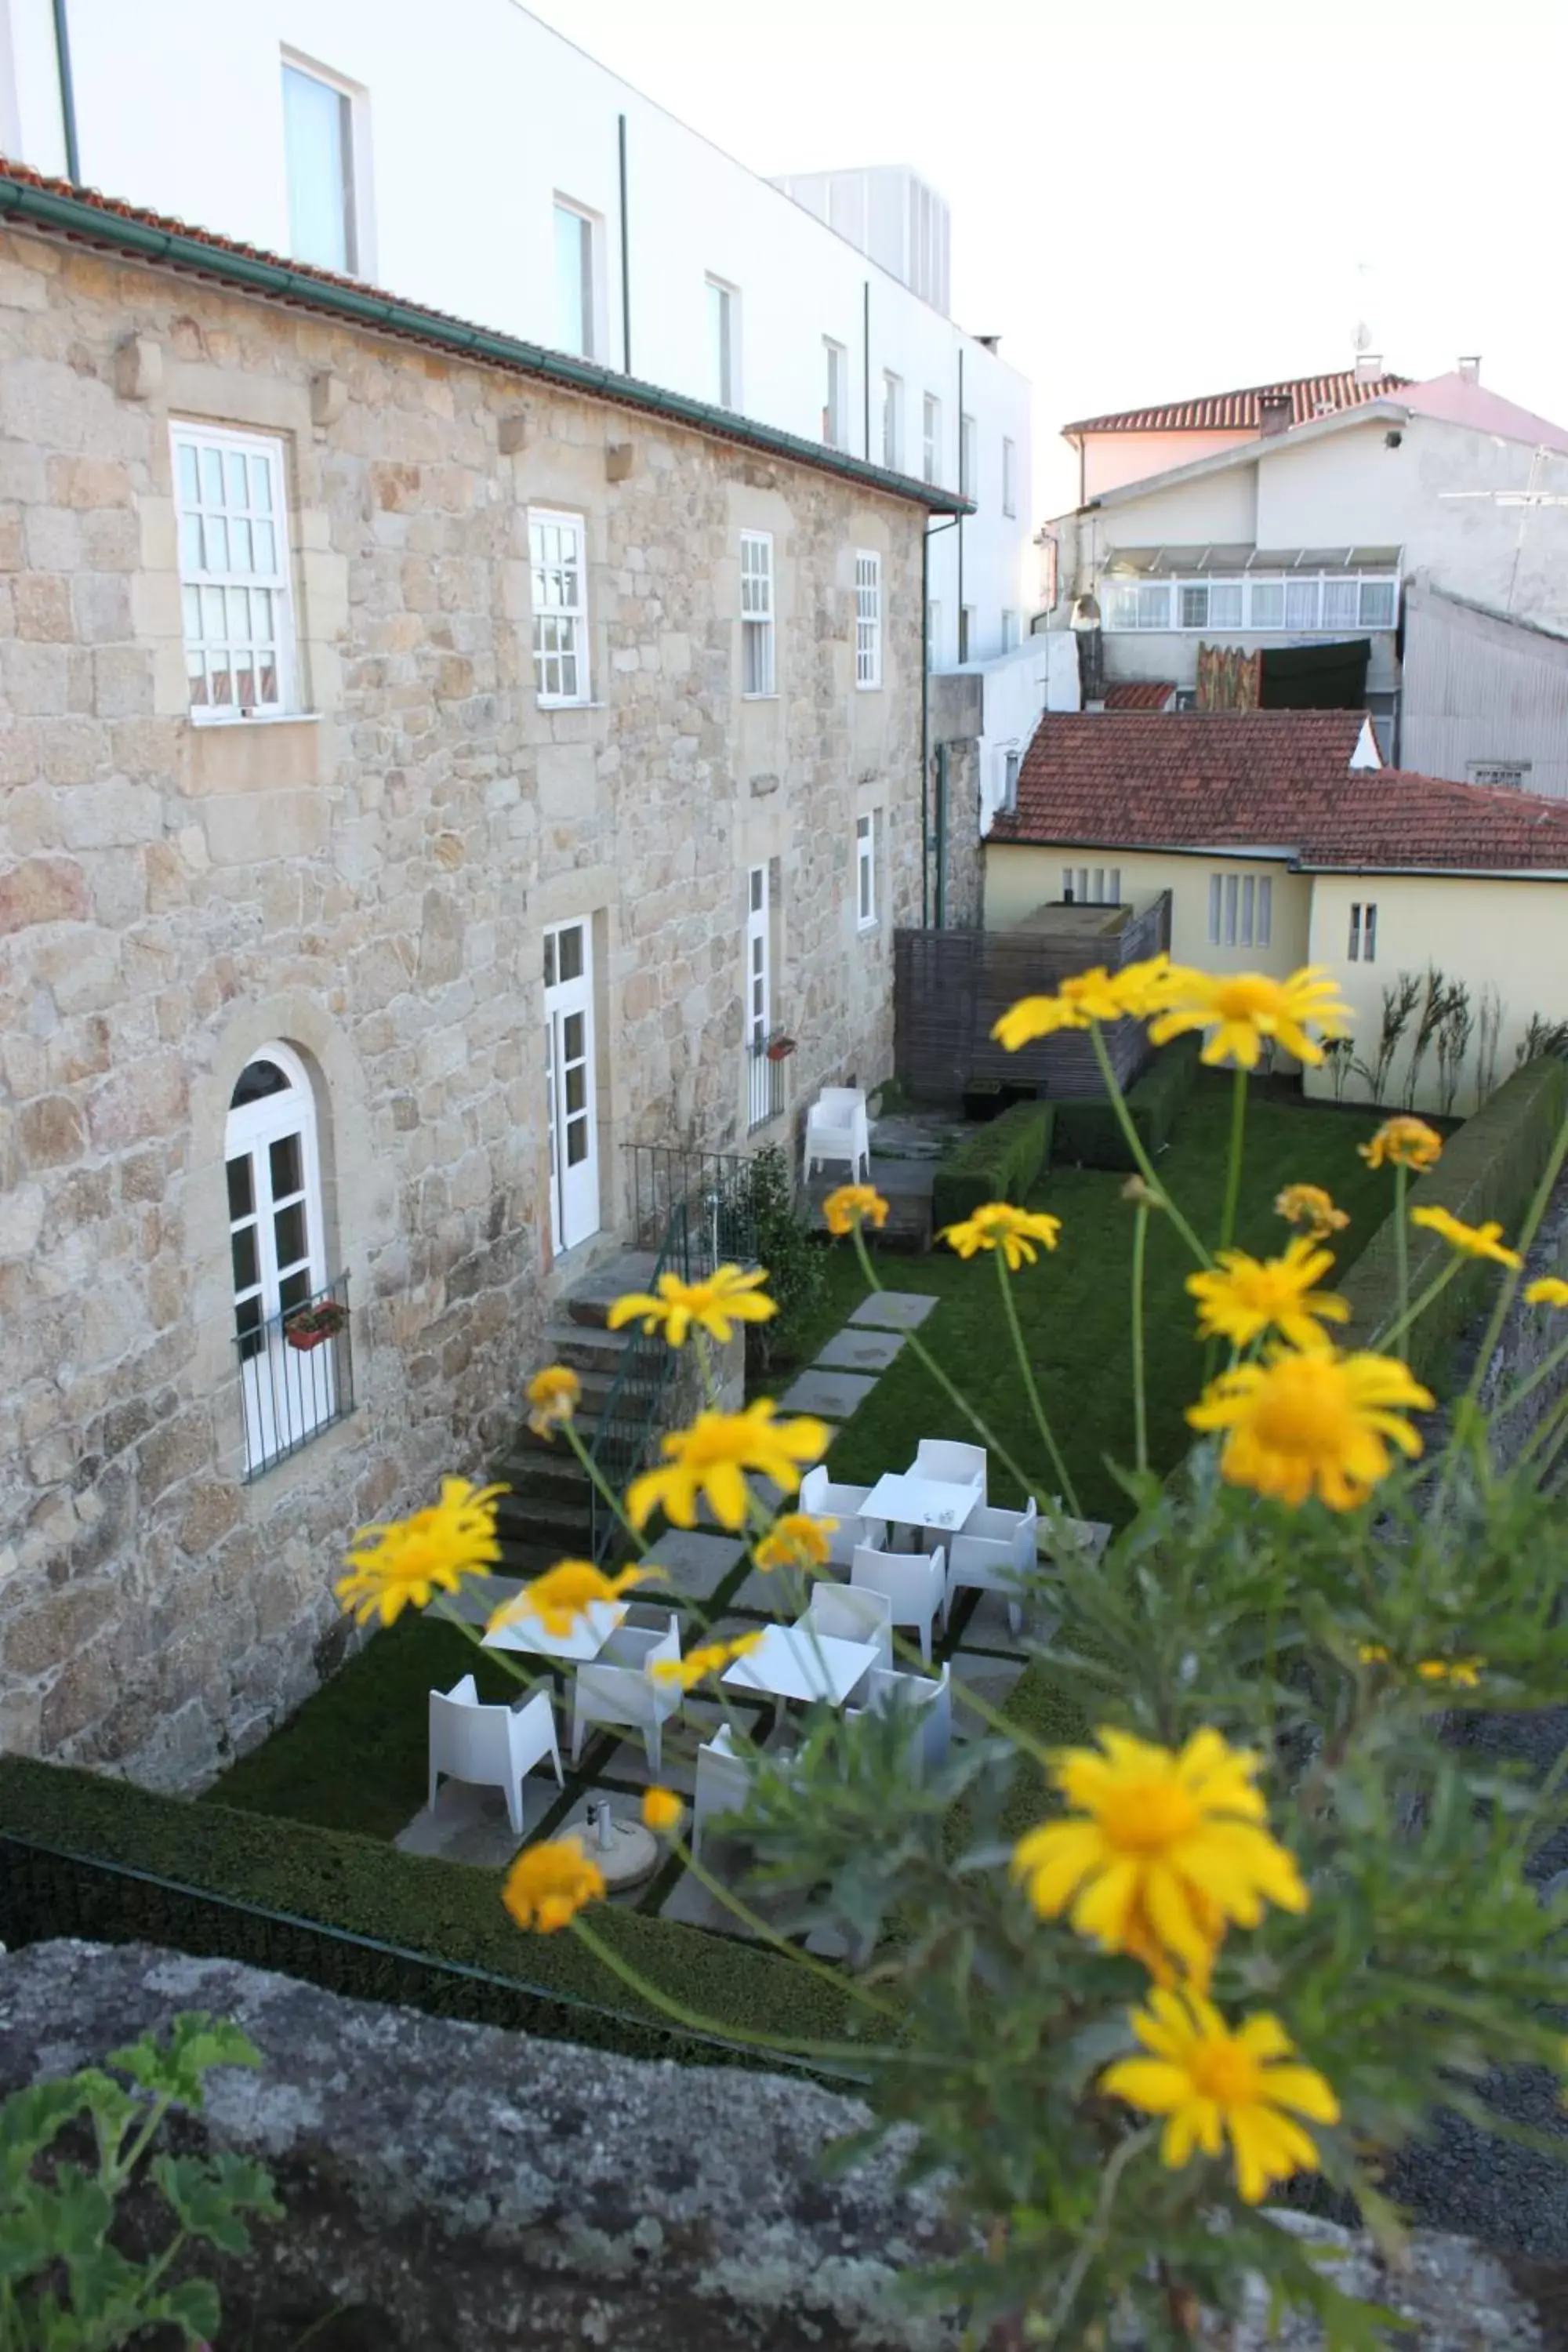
1511,936
1017,880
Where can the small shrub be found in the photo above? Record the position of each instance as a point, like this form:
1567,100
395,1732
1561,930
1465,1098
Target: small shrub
1000,1162
1088,1131
798,1271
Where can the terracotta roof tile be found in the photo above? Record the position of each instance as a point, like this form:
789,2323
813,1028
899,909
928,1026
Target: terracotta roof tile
1140,694
1273,780
1242,411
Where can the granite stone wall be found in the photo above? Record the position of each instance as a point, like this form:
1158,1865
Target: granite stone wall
367,882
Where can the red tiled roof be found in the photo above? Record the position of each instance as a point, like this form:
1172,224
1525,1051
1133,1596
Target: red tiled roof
1140,694
57,207
1266,780
1242,411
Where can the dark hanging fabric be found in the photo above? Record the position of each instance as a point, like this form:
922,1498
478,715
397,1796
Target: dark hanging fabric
1316,678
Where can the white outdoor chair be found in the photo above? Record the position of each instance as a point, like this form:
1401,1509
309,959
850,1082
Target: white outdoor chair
946,1458
1090,1535
927,1700
995,1551
619,1688
491,1746
846,1615
724,1781
912,1582
837,1128
824,1500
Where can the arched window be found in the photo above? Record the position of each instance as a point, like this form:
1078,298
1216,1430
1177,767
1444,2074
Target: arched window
290,1321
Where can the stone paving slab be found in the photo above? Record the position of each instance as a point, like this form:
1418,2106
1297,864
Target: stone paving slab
697,1561
832,1395
470,1825
860,1349
895,1310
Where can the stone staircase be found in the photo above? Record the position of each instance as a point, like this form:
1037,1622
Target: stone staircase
546,1516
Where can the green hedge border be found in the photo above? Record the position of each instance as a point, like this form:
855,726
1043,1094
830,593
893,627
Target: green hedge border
117,1863
1490,1168
1000,1162
1088,1131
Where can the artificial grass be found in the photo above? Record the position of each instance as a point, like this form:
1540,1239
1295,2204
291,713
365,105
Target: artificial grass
1074,1304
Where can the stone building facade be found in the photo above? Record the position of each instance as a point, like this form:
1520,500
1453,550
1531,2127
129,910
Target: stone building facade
366,883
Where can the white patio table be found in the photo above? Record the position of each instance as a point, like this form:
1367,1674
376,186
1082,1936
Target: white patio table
582,1644
937,1506
792,1661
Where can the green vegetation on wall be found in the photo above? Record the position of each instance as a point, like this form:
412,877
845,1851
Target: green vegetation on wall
1088,1131
1000,1162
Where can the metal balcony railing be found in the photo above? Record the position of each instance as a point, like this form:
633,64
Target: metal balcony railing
764,1079
296,1373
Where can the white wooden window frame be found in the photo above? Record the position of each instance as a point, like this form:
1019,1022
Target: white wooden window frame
1264,604
559,588
1363,945
968,457
866,873
759,961
1241,910
358,190
1009,629
206,528
868,619
1012,760
284,1401
931,437
835,404
723,302
758,648
1009,476
892,421
591,340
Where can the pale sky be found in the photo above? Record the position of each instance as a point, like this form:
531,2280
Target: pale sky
1153,198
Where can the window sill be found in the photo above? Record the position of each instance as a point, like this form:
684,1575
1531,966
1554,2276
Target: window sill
199,718
867,931
774,696
867,686
565,702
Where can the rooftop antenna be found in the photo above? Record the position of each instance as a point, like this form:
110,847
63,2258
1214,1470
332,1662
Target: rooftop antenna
1529,499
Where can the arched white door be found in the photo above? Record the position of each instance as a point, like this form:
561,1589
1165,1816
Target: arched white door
568,1083
278,1252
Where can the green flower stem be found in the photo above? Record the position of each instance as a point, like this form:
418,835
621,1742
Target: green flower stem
1542,1371
507,1660
1010,1308
1401,1246
1135,1145
1412,1314
1233,1164
605,1489
1465,1409
1094,2237
1140,1400
761,1926
928,1362
1544,1446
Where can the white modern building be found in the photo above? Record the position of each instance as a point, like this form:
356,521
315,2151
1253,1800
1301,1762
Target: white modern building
474,160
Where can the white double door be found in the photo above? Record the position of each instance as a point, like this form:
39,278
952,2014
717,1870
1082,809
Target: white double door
568,1083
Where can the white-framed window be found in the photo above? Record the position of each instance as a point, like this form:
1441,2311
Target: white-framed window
930,439
1009,630
759,976
966,631
836,394
1503,775
1091,886
291,1384
1363,946
1263,932
757,666
1304,603
892,423
967,467
320,166
1009,476
1241,910
233,573
723,304
577,247
558,558
865,873
1011,763
933,635
867,618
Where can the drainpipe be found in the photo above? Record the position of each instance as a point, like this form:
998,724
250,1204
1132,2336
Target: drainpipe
865,363
68,93
926,538
968,650
942,799
625,264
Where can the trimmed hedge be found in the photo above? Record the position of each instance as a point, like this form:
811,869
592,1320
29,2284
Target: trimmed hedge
1088,1131
205,1879
1000,1162
1490,1168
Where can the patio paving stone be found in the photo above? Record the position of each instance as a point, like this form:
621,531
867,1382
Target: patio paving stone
470,1825
697,1561
860,1349
833,1395
895,1310
993,1679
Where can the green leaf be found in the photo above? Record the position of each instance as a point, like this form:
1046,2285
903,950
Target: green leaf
192,2304
208,2195
174,2068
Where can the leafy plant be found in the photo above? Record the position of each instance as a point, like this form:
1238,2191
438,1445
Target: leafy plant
797,1273
1429,1022
1400,999
1542,1036
1454,1032
1340,1055
65,2285
1489,1033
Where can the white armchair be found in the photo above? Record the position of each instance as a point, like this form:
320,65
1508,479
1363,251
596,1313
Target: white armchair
723,1782
837,1128
929,1703
993,1554
824,1500
491,1746
911,1582
620,1687
945,1458
846,1615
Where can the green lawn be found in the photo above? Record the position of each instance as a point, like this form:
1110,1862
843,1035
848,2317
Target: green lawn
1074,1304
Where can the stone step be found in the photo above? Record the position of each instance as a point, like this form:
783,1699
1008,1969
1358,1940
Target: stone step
588,1347
544,1519
589,1301
909,1224
558,1478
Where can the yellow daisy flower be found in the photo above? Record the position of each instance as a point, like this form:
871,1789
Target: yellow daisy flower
406,1562
1212,2085
1403,1142
1164,1848
854,1204
547,1882
1464,1673
661,1810
1550,1291
709,1658
710,1457
998,1225
554,1395
562,1596
1309,1206
1313,1423
727,1297
1476,1241
1246,1297
1138,989
1241,1008
796,1541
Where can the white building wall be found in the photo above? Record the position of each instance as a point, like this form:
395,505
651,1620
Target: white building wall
467,125
1483,692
